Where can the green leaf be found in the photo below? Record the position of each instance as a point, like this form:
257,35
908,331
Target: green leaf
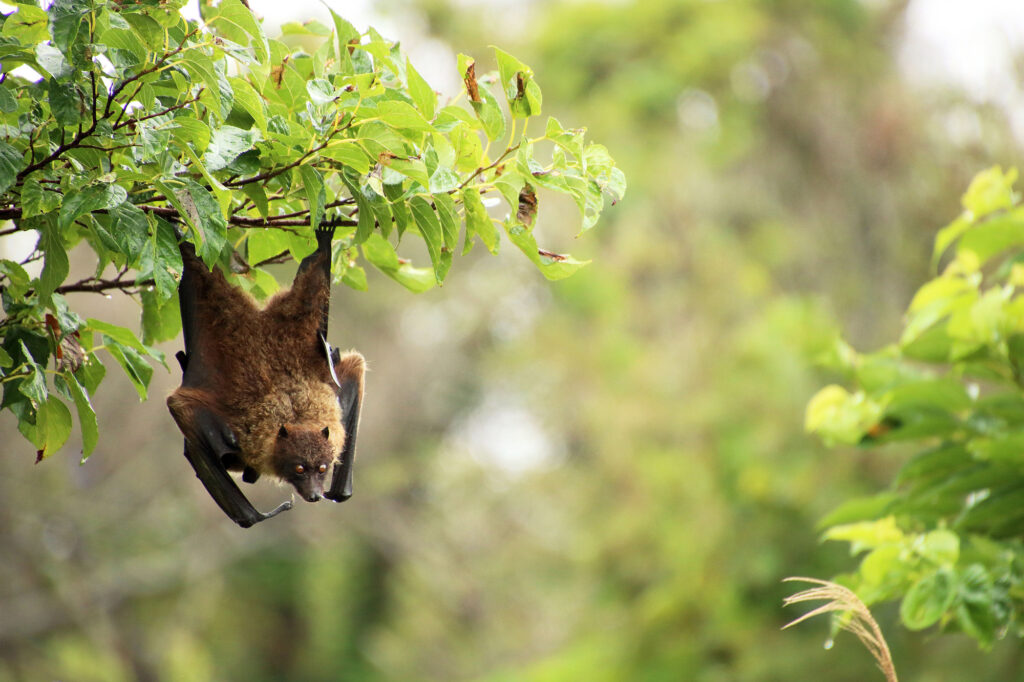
379,252
91,373
36,200
422,94
53,426
255,192
221,95
29,25
92,198
430,228
120,335
355,277
55,263
124,37
992,237
263,244
86,415
66,102
467,147
940,547
858,509
161,320
489,112
569,140
478,222
841,417
11,163
313,186
866,534
66,16
130,229
990,191
205,211
413,169
147,29
345,33
928,600
248,99
399,208
226,144
350,154
17,279
162,249
235,22
52,60
402,117
449,216
8,104
33,386
552,265
191,132
365,224
134,365
321,91
521,91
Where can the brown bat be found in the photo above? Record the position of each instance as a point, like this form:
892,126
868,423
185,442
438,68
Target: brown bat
262,391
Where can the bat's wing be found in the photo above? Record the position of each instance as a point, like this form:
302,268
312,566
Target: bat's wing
211,438
205,452
348,372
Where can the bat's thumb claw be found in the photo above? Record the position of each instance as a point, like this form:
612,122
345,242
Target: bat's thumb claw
283,507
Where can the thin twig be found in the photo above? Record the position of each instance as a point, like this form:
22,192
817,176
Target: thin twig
484,169
124,109
268,175
93,285
168,110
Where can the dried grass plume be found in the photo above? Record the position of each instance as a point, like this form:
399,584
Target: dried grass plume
860,622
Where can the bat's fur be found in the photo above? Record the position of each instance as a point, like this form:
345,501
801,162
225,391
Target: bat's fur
264,373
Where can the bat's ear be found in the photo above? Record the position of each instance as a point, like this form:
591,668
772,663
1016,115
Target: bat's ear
282,432
326,432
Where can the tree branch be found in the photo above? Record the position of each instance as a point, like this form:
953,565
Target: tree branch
121,124
145,72
274,173
93,285
484,169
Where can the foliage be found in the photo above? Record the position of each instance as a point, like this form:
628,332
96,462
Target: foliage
945,538
143,119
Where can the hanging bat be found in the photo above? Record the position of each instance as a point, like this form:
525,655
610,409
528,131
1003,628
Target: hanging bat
262,391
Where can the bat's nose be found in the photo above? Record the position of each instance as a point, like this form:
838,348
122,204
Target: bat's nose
314,497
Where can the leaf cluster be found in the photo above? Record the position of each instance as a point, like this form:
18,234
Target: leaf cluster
945,539
143,124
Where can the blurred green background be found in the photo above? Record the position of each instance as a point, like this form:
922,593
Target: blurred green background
603,478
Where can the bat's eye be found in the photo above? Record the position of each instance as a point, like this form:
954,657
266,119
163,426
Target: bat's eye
299,469
322,469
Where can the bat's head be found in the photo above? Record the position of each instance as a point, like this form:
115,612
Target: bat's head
304,458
